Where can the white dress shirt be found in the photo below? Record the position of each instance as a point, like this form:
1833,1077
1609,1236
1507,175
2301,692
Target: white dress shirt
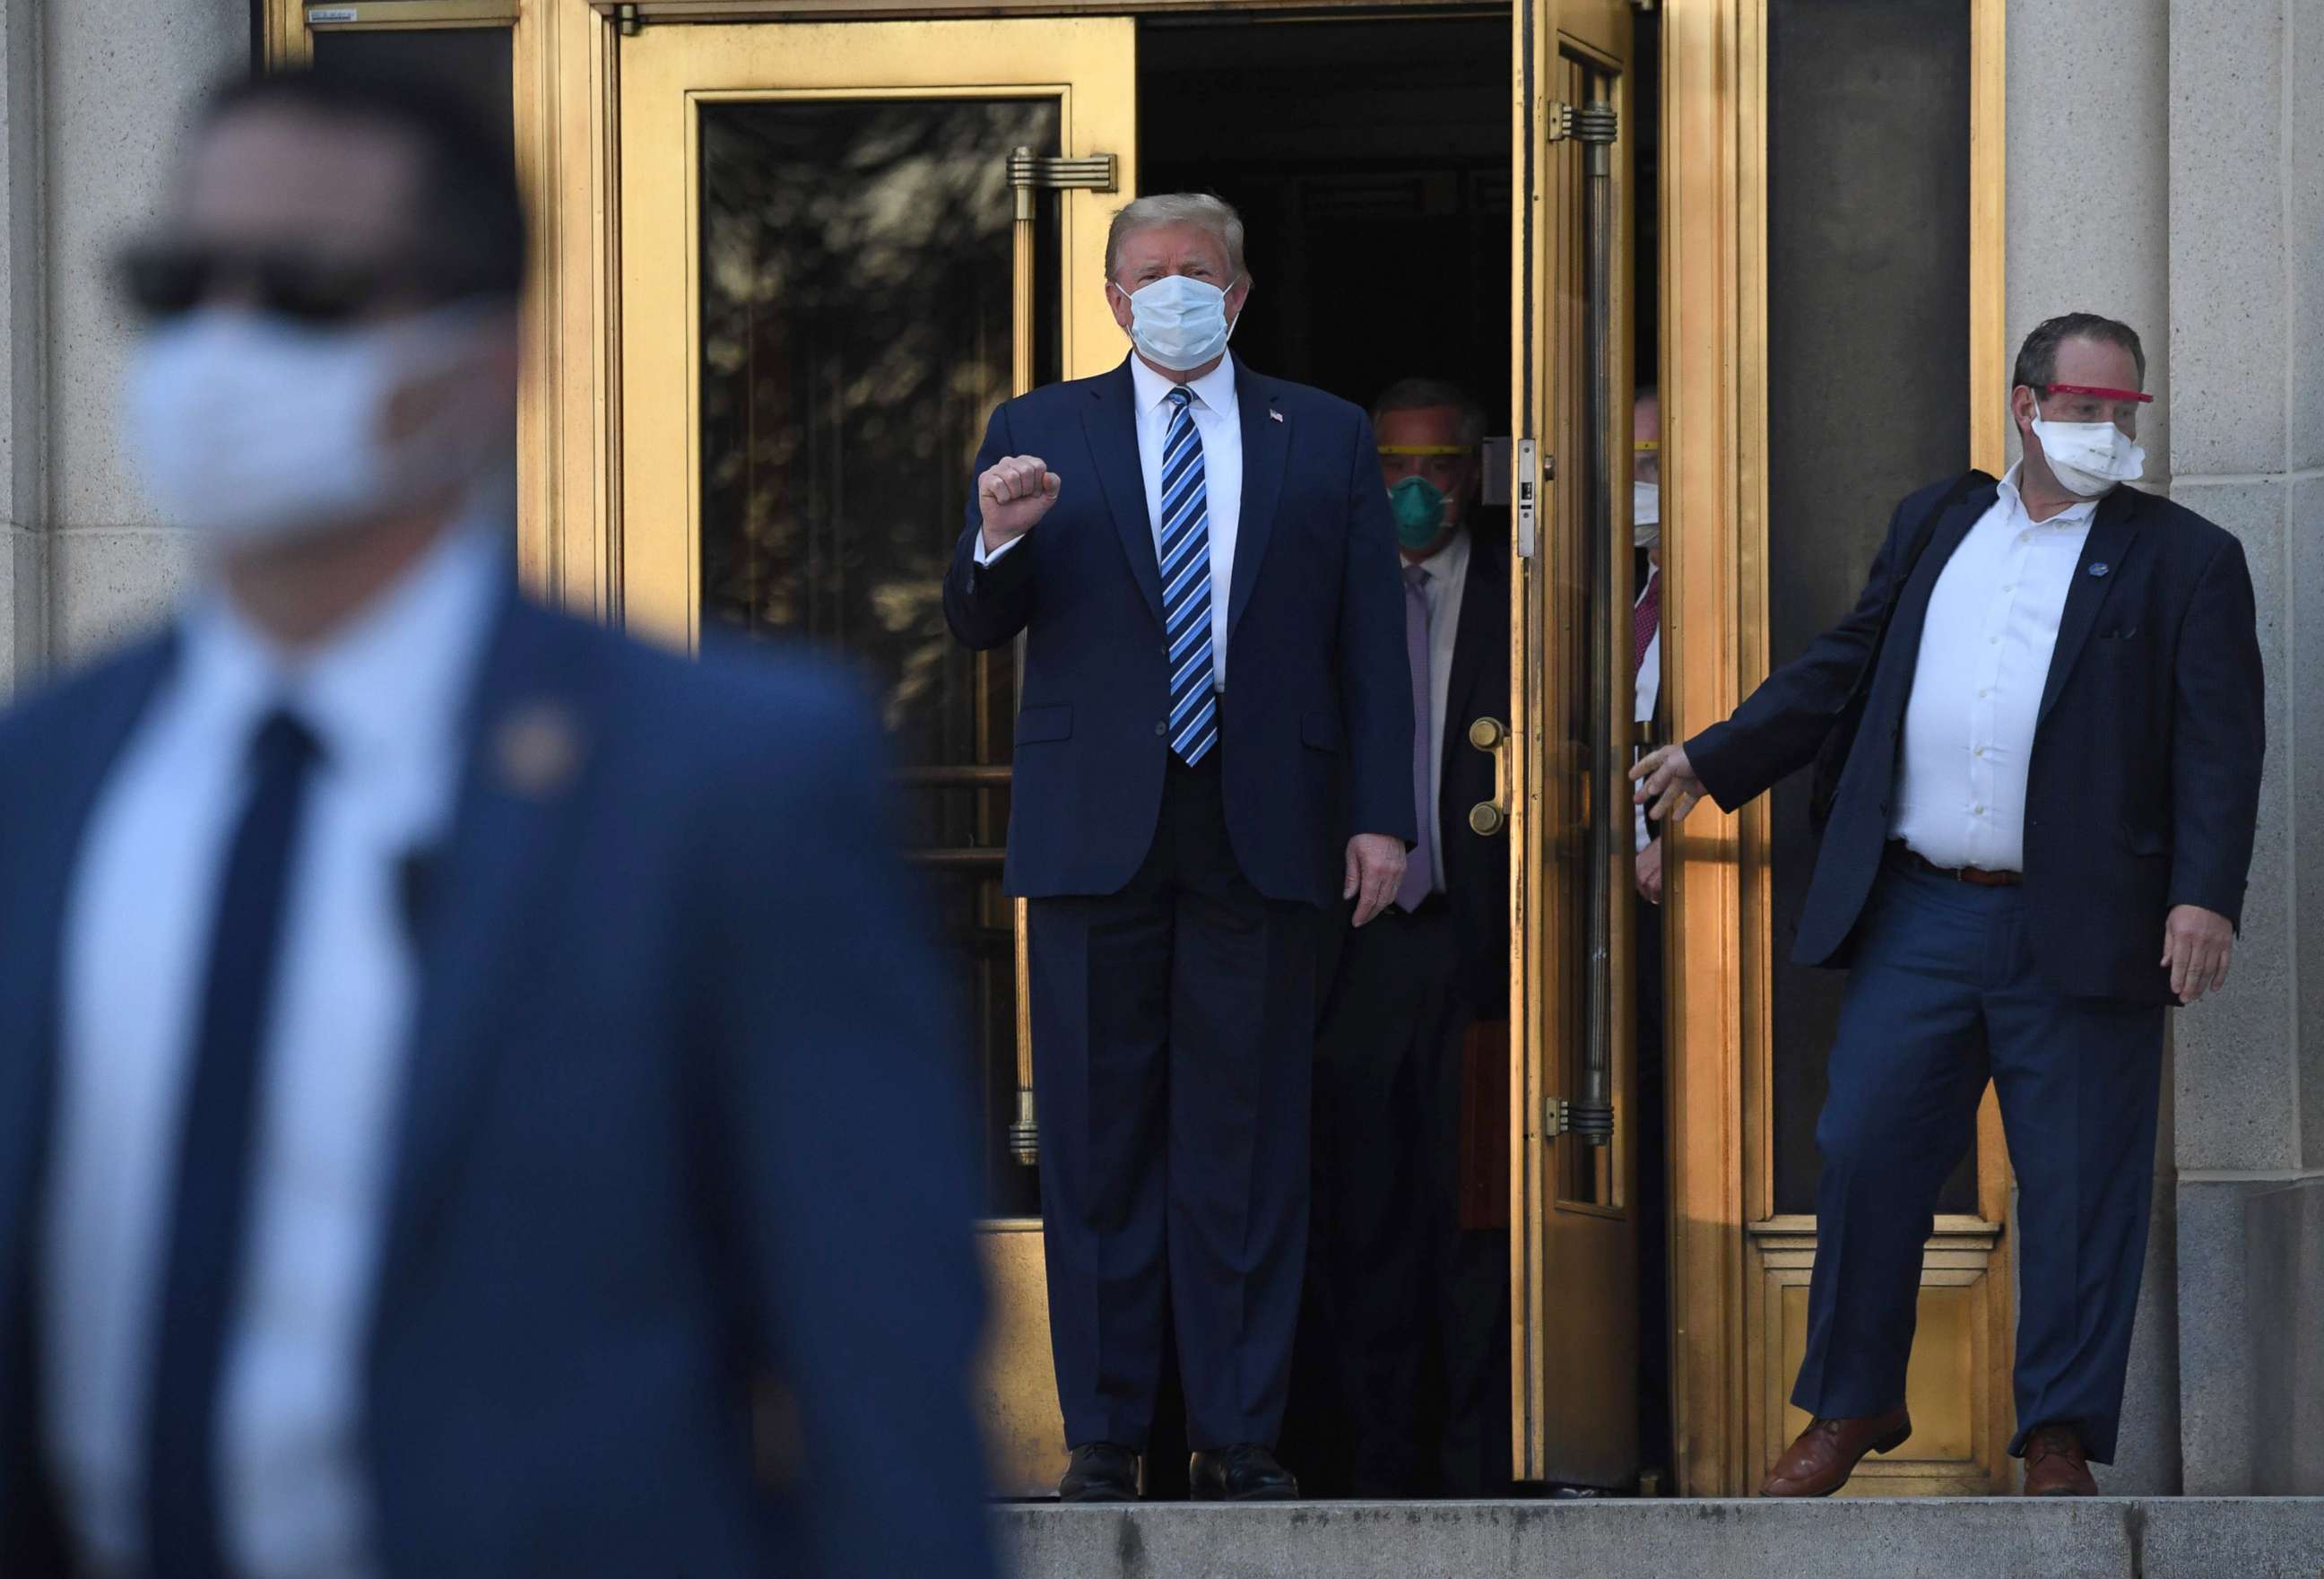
1448,576
383,699
1977,683
1219,424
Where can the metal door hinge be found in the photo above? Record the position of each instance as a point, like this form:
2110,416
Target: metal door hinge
626,21
1592,1121
1557,121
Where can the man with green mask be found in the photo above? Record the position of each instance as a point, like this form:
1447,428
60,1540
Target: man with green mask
1414,1297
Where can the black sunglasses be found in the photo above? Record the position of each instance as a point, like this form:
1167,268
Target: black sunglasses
168,280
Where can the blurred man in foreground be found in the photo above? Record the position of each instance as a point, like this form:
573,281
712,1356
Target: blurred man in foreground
439,1040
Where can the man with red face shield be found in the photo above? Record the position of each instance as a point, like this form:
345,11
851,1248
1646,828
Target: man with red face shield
2038,739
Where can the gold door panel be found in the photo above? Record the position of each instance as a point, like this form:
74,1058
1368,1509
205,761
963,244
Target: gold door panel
1575,1269
841,246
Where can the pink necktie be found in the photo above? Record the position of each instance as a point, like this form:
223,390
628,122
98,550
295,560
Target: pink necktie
1420,867
1644,619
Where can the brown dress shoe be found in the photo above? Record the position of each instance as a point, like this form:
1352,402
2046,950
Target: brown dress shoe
2055,1464
1828,1451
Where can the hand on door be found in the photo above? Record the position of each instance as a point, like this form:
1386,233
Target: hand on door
1668,787
1014,494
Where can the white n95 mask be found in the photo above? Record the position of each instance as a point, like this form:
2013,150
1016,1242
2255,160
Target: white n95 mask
1645,515
1180,323
255,429
2090,458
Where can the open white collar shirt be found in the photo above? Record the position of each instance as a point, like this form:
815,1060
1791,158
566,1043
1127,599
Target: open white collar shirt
385,699
1978,682
1218,423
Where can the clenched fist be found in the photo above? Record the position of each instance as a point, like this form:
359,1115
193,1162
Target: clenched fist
1014,496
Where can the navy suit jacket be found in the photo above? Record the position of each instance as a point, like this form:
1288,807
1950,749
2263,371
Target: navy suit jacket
683,1126
1317,689
2142,792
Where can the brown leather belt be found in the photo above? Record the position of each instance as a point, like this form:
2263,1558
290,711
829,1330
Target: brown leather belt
1975,875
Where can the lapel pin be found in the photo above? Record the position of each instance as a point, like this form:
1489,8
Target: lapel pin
2100,568
537,750
1275,416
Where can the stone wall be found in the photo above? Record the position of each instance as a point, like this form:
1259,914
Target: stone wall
98,93
2247,351
2166,167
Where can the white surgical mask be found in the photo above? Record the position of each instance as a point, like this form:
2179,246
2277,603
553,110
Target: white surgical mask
1179,322
256,430
2090,458
1645,515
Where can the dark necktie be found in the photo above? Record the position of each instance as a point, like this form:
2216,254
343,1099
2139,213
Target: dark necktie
210,1208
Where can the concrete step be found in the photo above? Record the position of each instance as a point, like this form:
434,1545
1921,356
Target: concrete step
1675,1538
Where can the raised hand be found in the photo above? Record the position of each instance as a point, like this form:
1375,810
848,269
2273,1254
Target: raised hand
1014,494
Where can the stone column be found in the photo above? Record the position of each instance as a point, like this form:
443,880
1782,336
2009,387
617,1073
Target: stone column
23,539
121,79
2246,354
2089,230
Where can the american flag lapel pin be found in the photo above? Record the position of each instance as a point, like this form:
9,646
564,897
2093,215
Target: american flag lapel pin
1275,416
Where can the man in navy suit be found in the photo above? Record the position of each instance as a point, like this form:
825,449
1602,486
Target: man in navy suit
2040,735
463,1076
1201,561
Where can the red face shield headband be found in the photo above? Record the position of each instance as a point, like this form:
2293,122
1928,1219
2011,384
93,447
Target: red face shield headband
2098,394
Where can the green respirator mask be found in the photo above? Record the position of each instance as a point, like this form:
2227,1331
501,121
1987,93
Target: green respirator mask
1418,506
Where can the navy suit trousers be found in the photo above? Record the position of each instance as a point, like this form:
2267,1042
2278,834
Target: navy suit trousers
1943,996
1172,1030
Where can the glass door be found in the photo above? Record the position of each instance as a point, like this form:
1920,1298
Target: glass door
840,247
1574,1283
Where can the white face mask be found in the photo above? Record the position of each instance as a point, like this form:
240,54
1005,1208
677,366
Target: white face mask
258,430
1645,515
1179,322
2090,458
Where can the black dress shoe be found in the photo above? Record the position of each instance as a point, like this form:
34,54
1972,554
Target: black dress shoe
1100,1472
1246,1473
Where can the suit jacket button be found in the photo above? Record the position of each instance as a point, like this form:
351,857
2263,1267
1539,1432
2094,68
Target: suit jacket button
1163,728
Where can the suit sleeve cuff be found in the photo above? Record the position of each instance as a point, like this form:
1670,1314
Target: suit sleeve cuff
1706,754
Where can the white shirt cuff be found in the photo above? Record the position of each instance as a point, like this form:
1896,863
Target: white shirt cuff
986,555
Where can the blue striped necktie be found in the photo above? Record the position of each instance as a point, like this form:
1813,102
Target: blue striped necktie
1187,585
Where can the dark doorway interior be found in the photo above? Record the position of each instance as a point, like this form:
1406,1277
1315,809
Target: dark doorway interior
1371,161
